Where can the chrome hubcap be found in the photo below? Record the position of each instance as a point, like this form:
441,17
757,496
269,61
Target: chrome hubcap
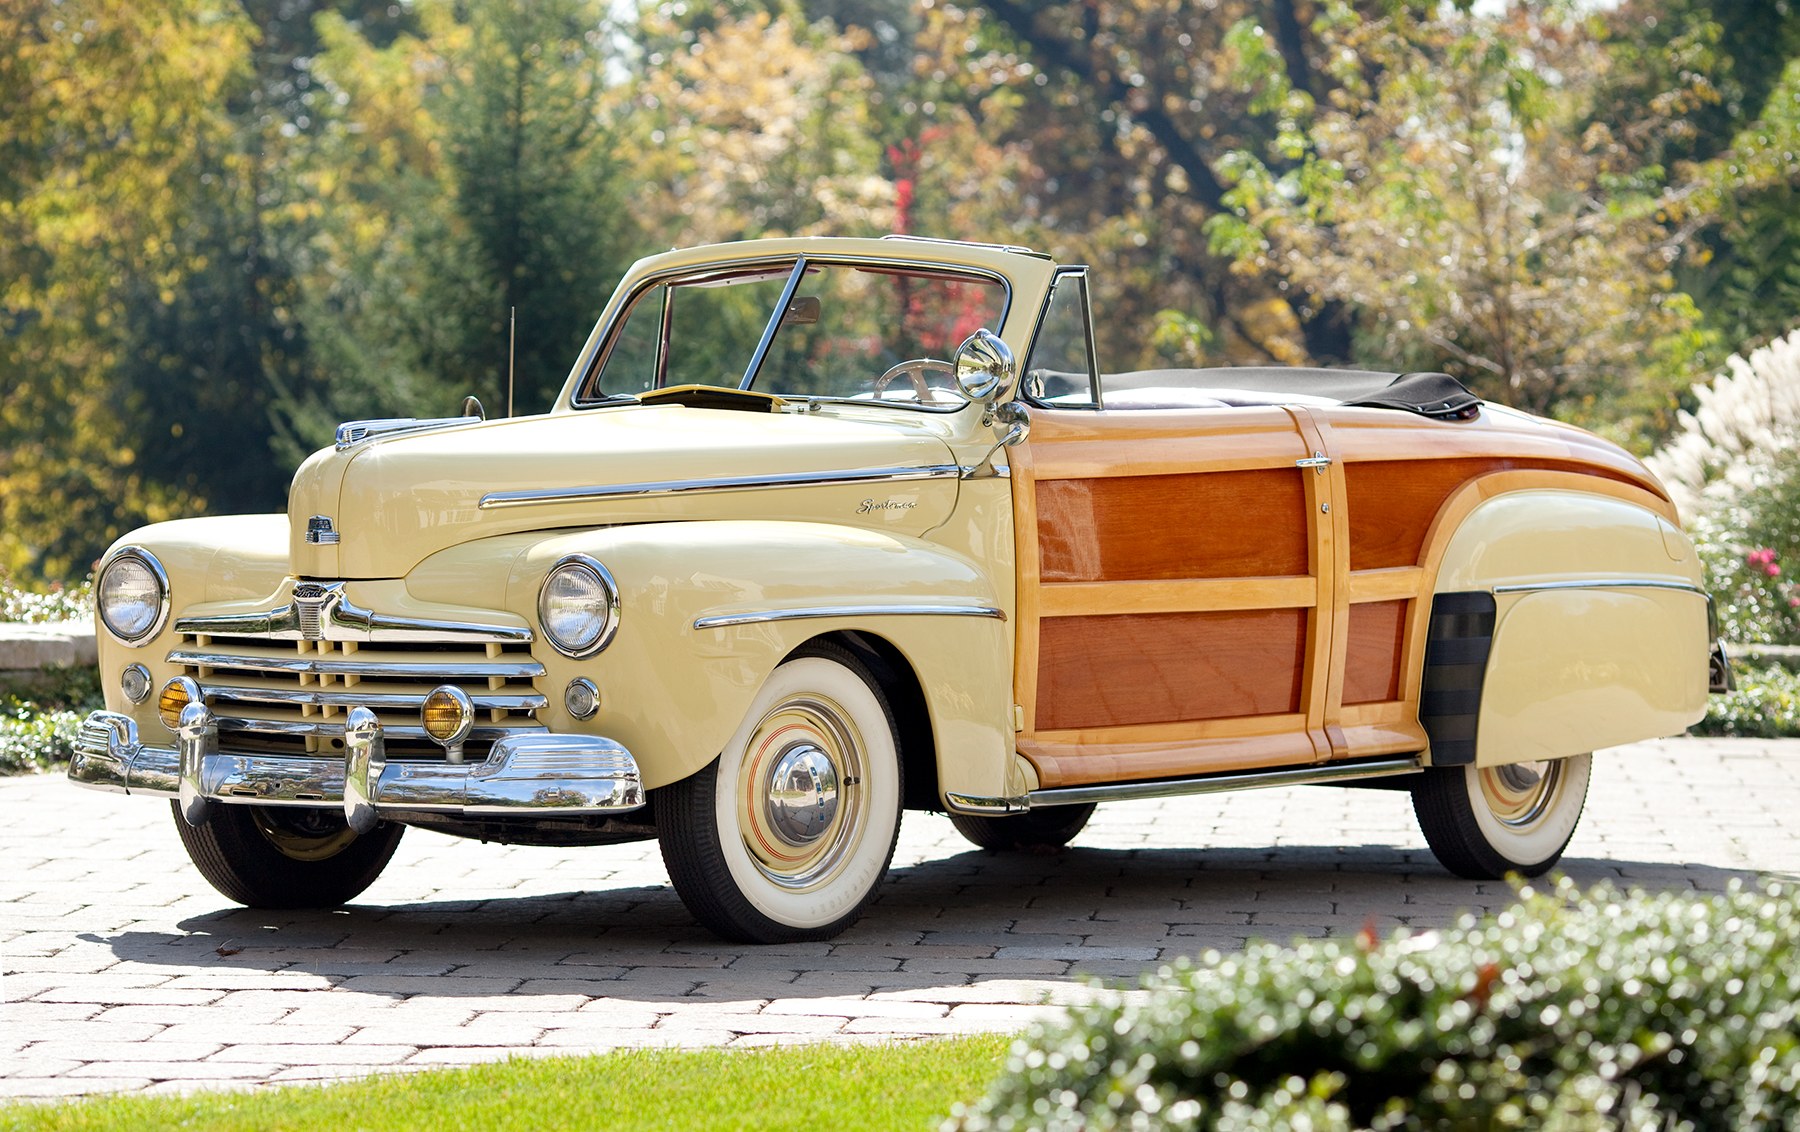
800,798
802,794
303,835
1520,793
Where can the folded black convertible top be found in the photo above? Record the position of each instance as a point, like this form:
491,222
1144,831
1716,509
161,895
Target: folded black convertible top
1430,394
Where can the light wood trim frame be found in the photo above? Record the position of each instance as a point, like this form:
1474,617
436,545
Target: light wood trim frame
1077,599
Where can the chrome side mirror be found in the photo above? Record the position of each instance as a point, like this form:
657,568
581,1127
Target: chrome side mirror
985,368
472,408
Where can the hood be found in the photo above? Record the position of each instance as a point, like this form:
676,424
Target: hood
395,500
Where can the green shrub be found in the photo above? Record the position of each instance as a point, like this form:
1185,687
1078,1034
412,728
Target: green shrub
1570,1010
34,739
1764,705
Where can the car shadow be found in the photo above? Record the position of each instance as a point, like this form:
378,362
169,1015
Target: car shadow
1057,918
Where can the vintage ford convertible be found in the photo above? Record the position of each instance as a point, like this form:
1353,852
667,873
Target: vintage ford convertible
802,545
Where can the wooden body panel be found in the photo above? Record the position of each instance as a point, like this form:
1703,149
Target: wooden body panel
1191,601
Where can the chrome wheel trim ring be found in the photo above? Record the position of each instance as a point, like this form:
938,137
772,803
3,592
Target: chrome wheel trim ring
1519,794
300,844
815,735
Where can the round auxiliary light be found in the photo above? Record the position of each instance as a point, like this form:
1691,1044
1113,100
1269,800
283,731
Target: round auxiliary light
581,698
132,595
176,694
135,683
578,606
447,715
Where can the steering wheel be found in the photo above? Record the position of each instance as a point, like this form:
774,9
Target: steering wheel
914,370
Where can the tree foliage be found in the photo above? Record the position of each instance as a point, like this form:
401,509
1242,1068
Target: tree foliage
226,225
1455,189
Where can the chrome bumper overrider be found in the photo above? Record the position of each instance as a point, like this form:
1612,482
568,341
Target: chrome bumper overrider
535,774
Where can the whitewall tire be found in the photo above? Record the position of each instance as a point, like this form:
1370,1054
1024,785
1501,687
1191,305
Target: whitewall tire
1485,822
788,833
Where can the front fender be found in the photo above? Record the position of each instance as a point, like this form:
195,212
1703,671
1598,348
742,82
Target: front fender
708,609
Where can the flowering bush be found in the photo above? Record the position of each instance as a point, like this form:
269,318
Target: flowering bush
1732,471
59,604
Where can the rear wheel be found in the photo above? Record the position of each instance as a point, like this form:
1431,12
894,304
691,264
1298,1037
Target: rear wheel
786,835
286,857
1046,828
1485,822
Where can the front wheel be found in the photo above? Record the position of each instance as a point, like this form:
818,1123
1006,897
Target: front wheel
284,857
1485,822
786,835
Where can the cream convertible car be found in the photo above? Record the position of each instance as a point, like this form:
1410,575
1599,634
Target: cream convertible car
801,545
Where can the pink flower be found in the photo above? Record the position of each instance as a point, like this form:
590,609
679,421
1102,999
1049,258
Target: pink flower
1795,602
1772,570
1760,557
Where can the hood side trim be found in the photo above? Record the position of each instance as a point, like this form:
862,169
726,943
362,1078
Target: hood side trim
532,496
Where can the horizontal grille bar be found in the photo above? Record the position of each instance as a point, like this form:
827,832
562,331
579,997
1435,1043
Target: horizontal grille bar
351,697
335,729
415,669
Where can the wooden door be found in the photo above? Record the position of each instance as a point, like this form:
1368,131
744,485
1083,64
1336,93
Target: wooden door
1177,580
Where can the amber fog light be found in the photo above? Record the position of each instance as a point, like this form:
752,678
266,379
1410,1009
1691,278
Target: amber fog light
447,716
176,694
135,683
581,698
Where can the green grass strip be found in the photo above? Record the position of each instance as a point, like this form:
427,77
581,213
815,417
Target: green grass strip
815,1088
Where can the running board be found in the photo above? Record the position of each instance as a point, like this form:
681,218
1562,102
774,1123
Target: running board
1219,783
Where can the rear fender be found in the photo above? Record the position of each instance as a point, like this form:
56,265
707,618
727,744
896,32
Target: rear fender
1599,622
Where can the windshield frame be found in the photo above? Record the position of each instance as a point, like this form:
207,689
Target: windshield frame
796,263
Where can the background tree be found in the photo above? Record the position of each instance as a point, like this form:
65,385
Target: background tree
1448,193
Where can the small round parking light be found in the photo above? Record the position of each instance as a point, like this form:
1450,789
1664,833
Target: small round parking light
447,715
176,694
134,682
581,698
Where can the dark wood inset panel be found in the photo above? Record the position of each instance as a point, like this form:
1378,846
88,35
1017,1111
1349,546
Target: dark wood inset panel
1372,668
1392,503
1201,525
1119,670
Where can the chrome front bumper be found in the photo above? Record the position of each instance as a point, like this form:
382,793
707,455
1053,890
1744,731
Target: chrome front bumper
531,775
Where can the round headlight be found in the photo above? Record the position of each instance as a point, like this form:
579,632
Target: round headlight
578,606
132,595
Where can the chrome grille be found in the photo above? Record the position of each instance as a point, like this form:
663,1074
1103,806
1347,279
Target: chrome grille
291,697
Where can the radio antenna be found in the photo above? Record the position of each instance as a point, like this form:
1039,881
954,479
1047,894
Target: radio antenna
512,343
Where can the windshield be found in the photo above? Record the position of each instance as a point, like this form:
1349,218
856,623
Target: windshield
853,331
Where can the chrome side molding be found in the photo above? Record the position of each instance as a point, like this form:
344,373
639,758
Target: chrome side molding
720,483
727,620
1176,787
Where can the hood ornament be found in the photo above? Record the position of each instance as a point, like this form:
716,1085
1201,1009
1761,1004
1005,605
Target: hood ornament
319,531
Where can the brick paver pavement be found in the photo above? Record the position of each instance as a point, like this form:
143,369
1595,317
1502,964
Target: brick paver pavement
124,971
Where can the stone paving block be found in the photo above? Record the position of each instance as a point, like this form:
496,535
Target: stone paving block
316,1055
193,1072
121,1051
146,996
22,1088
858,1008
490,1031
